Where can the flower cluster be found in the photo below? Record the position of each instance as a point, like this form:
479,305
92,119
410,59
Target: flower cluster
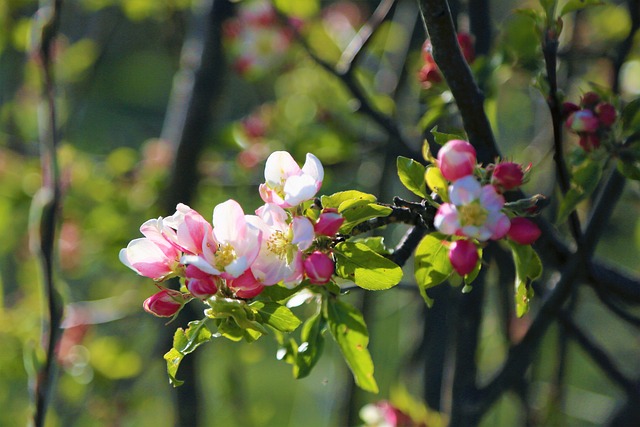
474,211
237,254
430,74
591,120
256,40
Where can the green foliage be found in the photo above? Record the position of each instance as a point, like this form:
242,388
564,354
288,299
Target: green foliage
356,207
411,174
584,181
575,5
185,342
528,269
348,329
432,265
366,268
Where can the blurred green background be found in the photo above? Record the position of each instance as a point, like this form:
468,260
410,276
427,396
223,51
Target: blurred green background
118,67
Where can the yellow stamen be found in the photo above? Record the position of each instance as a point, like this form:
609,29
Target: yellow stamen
224,256
472,214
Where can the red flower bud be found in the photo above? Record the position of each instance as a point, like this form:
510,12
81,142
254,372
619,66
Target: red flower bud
507,176
165,303
606,113
466,45
329,222
589,141
589,100
319,268
246,285
200,284
523,231
456,159
463,255
568,108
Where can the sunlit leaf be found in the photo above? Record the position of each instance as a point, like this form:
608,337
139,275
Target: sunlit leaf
349,330
584,181
312,344
432,265
185,342
630,116
336,199
437,183
442,138
276,315
411,174
367,269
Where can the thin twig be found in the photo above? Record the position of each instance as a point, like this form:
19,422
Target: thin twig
45,212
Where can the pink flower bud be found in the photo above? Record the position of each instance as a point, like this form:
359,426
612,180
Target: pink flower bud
165,303
589,141
507,176
200,284
589,100
329,222
523,231
583,121
606,113
466,46
463,255
246,285
319,268
456,159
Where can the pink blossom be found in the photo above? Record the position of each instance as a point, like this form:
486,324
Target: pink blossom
280,257
523,231
152,256
583,121
456,159
474,211
232,245
287,184
384,414
165,303
186,229
246,285
463,255
329,222
507,176
319,268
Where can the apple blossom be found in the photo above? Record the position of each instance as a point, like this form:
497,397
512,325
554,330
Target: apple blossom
606,113
186,229
463,255
318,268
280,257
329,222
165,303
474,211
245,285
456,159
152,256
523,231
583,121
287,184
200,284
232,245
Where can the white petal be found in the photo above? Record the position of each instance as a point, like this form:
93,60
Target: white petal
313,168
279,166
298,189
200,263
228,221
464,191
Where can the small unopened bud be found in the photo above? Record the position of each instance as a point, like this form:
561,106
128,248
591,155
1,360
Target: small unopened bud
456,159
589,100
329,222
319,268
507,176
463,255
246,285
589,141
523,231
200,284
568,108
583,121
606,113
165,303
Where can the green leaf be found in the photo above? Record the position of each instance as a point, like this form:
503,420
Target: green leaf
238,310
630,116
357,212
584,181
369,270
528,269
349,330
276,315
442,138
309,352
375,243
629,170
411,174
185,342
426,153
432,265
334,200
574,5
278,293
437,183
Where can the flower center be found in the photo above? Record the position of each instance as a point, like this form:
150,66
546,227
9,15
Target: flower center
472,214
224,256
278,244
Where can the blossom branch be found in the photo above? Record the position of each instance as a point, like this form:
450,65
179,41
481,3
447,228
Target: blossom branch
447,54
45,212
